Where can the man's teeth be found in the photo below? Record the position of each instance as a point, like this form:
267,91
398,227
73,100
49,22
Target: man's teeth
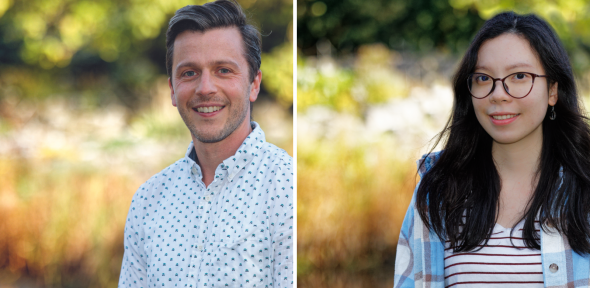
208,109
503,117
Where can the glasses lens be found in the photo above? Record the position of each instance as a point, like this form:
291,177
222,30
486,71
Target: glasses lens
519,85
480,85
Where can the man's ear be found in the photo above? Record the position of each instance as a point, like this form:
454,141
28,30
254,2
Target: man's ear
255,86
172,92
553,95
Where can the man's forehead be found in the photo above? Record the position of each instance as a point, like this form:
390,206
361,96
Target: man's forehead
210,46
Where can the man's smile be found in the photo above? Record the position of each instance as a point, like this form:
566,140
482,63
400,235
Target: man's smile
208,109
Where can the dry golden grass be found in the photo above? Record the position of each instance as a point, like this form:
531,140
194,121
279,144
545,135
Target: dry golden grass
63,207
350,205
62,225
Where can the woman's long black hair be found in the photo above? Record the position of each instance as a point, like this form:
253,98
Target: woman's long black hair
464,181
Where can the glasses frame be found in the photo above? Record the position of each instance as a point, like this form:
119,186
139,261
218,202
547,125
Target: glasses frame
503,83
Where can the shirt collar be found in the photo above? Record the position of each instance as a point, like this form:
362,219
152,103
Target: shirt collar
249,149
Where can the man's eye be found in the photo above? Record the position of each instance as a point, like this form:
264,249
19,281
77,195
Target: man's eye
223,70
189,73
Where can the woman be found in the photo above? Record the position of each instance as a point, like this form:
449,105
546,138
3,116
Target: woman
510,192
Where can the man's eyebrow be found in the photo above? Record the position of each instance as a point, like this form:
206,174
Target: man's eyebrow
185,64
213,63
225,62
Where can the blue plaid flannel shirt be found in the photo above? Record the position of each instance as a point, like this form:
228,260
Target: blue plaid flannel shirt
420,253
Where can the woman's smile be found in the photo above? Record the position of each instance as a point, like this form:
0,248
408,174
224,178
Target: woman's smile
503,118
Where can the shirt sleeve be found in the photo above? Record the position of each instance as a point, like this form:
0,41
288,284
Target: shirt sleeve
404,257
282,227
133,269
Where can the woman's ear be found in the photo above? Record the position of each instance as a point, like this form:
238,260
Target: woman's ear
553,94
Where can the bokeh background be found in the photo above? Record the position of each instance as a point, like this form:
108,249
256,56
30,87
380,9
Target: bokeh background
373,86
85,118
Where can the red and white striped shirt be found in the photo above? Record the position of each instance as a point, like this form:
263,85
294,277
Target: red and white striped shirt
501,263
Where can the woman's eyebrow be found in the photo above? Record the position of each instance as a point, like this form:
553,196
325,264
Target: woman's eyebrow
481,67
519,65
509,67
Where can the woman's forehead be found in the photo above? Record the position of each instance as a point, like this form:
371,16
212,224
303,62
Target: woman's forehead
508,52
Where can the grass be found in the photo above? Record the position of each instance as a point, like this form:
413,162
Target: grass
62,225
63,207
351,201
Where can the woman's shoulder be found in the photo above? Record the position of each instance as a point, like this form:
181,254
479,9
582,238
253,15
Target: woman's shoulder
427,161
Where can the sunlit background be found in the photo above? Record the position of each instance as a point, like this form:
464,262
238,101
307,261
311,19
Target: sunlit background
85,118
373,89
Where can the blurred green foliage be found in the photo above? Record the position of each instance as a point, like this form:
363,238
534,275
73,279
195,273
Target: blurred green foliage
426,25
368,81
417,25
277,73
111,50
351,53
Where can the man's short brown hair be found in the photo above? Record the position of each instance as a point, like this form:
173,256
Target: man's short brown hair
218,14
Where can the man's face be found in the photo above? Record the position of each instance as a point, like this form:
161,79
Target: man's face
210,83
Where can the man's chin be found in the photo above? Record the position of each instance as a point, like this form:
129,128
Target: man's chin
209,138
215,131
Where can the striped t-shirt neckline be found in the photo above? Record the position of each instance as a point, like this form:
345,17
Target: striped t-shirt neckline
501,263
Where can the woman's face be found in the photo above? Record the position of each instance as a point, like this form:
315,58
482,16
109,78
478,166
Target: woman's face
506,119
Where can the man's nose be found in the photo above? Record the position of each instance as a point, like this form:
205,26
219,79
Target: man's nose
206,84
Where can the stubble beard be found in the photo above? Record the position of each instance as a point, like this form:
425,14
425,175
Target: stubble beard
235,119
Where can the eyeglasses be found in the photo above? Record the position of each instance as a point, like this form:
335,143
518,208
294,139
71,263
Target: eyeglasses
518,85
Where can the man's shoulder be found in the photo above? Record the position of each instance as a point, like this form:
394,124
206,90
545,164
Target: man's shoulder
158,181
276,154
175,168
276,164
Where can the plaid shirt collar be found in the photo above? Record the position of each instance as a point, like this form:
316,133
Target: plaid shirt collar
420,253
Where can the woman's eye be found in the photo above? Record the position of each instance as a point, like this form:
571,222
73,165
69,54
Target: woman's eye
520,76
483,78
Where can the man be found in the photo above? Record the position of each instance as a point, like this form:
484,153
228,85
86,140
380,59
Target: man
223,215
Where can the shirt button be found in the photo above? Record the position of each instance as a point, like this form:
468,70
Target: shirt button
194,169
207,198
200,247
553,268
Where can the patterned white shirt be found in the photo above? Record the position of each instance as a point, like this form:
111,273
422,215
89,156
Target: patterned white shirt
237,232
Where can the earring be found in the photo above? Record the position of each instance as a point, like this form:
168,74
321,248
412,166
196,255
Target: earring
553,114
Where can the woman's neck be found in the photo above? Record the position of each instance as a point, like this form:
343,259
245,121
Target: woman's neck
519,158
517,164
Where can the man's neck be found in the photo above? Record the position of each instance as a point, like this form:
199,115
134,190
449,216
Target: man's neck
210,155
